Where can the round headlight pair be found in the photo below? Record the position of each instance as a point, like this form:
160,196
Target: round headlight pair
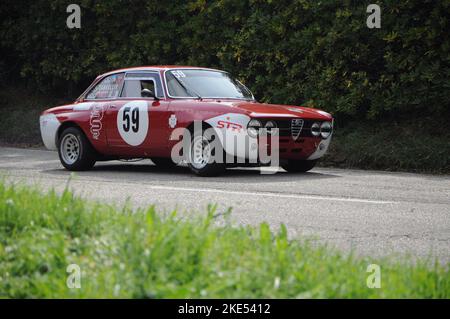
315,129
254,126
323,129
270,127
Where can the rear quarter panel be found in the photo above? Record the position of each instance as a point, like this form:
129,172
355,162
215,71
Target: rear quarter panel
88,116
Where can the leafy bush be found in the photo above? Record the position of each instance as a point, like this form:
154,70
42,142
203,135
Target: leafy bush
319,53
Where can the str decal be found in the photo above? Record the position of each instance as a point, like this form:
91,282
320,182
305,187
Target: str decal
229,125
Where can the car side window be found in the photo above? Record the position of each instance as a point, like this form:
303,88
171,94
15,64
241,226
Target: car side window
133,88
136,82
108,88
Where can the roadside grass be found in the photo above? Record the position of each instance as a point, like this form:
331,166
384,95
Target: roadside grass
126,253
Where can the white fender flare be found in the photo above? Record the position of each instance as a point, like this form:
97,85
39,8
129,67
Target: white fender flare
231,128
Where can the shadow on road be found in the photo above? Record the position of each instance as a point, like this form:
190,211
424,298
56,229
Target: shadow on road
139,171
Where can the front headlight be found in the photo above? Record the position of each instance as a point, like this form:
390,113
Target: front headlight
326,129
315,129
253,128
270,126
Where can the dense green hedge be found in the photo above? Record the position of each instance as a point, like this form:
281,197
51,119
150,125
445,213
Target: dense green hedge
315,52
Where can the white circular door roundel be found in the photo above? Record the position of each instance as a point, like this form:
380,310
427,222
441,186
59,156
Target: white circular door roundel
132,122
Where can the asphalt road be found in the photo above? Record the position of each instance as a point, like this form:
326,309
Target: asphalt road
372,213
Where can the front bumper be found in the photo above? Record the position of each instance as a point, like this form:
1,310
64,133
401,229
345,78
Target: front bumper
305,148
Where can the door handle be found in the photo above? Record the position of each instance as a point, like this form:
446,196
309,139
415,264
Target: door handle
113,106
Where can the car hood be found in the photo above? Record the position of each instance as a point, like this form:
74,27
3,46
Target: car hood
254,109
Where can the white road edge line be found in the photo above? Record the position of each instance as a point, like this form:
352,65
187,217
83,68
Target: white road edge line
298,196
266,194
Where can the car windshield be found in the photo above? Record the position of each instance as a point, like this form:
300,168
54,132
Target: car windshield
205,84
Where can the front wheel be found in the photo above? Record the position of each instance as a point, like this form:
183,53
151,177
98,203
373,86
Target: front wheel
299,166
202,151
75,151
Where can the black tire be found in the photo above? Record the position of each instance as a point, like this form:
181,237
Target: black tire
298,166
211,168
78,156
163,162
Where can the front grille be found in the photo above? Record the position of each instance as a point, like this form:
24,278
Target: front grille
296,128
286,129
288,132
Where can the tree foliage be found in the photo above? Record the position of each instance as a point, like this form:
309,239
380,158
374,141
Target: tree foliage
318,53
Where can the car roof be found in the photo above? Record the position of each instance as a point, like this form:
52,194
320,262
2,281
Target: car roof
155,68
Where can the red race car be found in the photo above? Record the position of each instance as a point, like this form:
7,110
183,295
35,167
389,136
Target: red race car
172,114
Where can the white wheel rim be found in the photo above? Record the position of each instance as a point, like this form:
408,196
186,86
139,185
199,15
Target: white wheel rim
70,149
200,152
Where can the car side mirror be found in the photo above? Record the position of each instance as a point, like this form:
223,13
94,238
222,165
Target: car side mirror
148,93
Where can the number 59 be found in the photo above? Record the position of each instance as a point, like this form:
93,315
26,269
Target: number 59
134,119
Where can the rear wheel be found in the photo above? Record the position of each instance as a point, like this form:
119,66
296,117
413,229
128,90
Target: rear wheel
163,162
75,151
201,154
299,166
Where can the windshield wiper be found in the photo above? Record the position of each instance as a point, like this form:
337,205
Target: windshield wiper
188,90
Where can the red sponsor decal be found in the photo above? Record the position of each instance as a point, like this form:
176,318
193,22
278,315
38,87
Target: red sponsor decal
229,125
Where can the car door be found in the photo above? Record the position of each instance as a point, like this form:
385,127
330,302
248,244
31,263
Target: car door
135,122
